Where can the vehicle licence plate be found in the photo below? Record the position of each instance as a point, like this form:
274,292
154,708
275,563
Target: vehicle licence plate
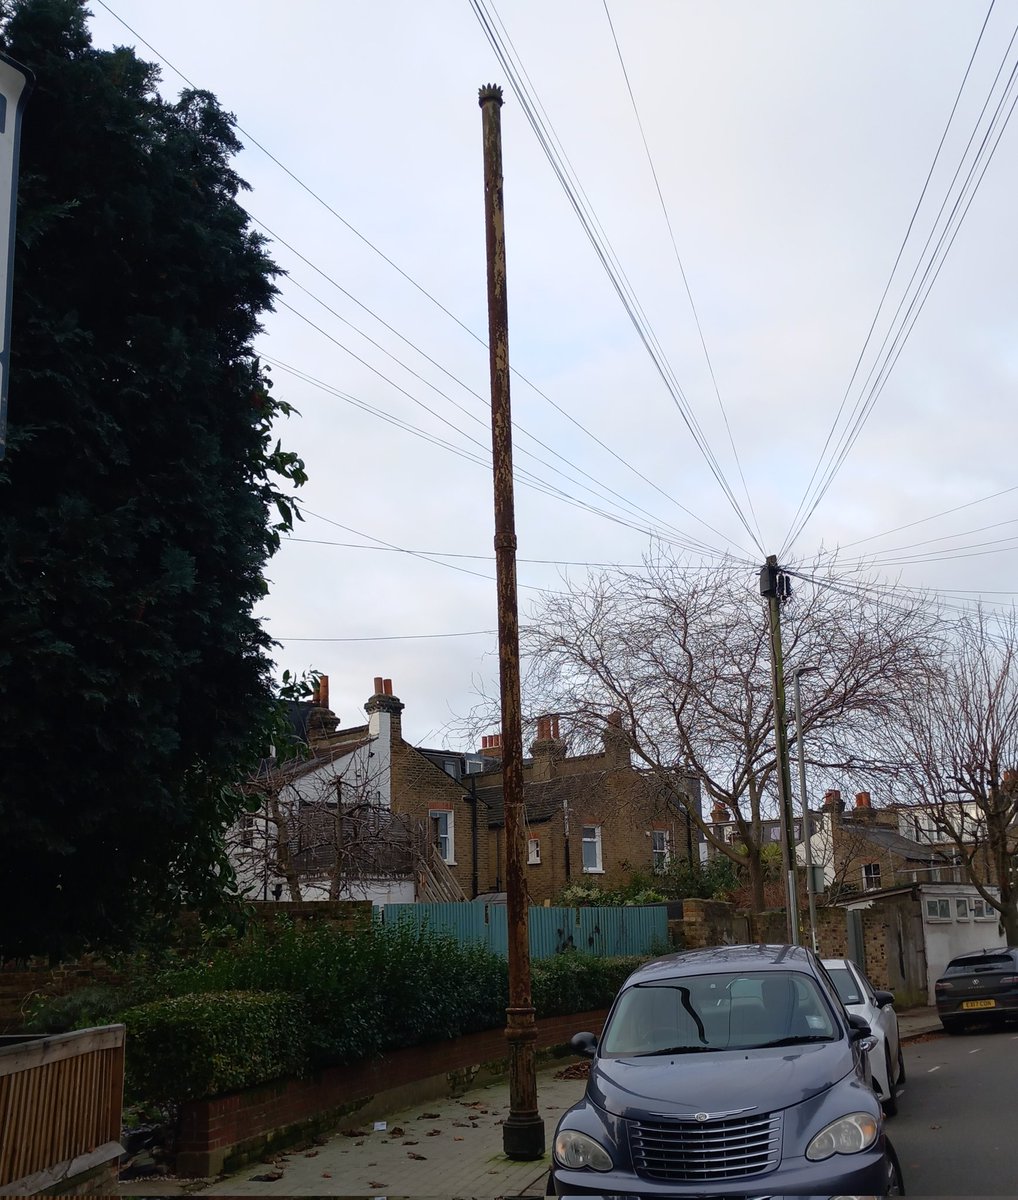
979,1004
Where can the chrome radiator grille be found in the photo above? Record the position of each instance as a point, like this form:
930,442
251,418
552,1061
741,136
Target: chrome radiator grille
686,1151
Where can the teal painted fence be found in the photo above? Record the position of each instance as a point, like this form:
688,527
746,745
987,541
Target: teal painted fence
607,932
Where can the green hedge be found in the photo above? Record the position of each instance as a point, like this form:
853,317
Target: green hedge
575,982
366,992
191,1047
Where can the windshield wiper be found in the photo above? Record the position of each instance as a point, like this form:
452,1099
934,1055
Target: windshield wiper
798,1039
674,1050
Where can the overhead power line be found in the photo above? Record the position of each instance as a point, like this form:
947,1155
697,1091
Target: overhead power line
537,118
682,269
250,138
915,293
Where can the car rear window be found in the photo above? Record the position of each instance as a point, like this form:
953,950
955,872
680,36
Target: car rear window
846,985
987,962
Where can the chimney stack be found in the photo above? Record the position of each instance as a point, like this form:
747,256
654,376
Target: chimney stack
547,750
616,741
862,800
384,702
322,721
491,745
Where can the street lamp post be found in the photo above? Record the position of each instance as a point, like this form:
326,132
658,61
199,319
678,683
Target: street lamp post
806,834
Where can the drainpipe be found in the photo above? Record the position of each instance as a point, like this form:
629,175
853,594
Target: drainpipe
472,801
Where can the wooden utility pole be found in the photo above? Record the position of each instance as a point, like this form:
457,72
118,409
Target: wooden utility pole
774,587
523,1131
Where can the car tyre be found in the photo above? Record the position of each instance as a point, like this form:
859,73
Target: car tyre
895,1185
549,1187
890,1102
901,1065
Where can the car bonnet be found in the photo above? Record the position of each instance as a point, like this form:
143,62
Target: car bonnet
676,1085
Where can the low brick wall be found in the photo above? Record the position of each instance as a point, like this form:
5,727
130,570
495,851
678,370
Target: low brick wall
227,1131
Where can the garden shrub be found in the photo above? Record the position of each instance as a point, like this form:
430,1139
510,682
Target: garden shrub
193,1046
575,982
380,988
83,1009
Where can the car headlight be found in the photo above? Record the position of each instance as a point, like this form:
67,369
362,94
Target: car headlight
848,1135
575,1150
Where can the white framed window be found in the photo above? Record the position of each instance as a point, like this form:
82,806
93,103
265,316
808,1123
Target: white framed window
533,852
938,910
442,833
961,908
247,827
982,911
660,848
871,876
591,846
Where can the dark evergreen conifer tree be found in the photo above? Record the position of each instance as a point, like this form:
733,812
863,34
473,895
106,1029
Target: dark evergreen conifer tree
141,497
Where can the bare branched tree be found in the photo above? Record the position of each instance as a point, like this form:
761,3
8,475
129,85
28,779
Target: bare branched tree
955,747
320,832
683,655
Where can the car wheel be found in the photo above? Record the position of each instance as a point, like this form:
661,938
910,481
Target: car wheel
901,1065
889,1103
895,1185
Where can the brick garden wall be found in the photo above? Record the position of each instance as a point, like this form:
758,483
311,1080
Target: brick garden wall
21,982
227,1131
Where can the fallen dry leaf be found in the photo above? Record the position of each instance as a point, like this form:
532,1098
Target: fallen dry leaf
326,1174
433,1133
311,1153
397,1131
373,1183
419,1157
355,1133
409,1142
457,1138
268,1177
430,1117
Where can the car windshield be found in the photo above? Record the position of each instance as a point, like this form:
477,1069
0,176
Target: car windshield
729,1011
844,981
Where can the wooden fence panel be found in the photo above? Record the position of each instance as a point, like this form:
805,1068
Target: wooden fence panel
61,1101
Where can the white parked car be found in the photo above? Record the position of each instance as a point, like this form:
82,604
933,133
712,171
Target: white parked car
876,1007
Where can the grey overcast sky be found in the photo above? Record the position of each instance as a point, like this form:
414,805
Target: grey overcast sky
791,142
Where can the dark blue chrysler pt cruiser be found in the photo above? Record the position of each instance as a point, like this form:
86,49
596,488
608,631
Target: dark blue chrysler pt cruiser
730,1071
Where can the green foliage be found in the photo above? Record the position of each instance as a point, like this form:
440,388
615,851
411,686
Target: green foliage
143,492
637,891
83,1009
575,982
190,1047
377,989
716,879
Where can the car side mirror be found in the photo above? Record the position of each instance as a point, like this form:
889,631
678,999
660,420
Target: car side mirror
858,1027
584,1043
883,998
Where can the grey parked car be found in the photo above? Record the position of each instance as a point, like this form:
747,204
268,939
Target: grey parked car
731,1071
